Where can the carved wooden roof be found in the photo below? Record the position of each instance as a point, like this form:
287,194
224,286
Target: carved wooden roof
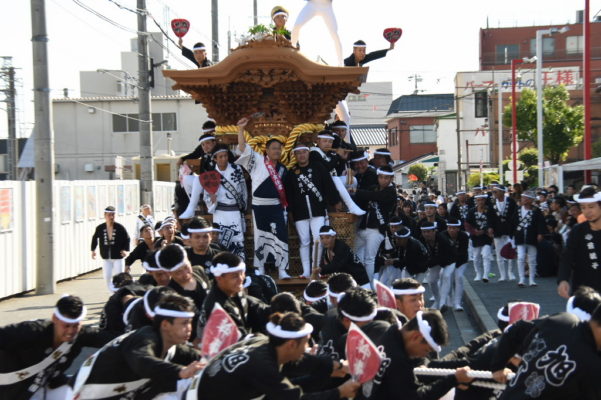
273,77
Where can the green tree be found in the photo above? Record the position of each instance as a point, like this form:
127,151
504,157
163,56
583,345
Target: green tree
528,156
419,170
487,178
563,125
597,148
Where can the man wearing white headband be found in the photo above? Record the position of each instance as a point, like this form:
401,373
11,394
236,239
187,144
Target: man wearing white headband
229,272
360,56
431,215
262,365
581,260
198,54
529,232
338,257
423,334
505,210
201,250
329,159
114,245
460,207
279,16
385,270
379,202
204,150
381,158
35,354
167,231
152,360
481,220
269,202
460,241
145,218
310,190
411,258
409,297
440,258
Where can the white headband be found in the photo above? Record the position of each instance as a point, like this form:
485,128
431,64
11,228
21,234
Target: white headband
363,157
457,224
172,313
499,188
365,318
184,236
405,292
337,296
301,148
199,48
107,211
207,130
206,138
425,329
501,316
220,269
216,230
430,205
219,151
166,223
596,197
148,267
313,299
339,127
480,196
380,172
382,153
458,193
279,13
395,223
176,266
200,230
326,137
247,282
427,228
577,311
530,196
277,331
68,320
397,234
129,308
330,232
359,45
147,305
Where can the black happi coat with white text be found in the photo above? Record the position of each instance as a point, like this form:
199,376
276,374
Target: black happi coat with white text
560,361
459,211
248,313
110,248
27,343
344,260
441,253
379,204
309,191
460,245
395,379
329,160
250,369
580,262
529,226
505,220
138,356
414,256
481,221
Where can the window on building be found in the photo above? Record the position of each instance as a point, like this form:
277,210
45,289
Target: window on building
574,44
507,52
130,123
3,163
393,137
481,104
548,46
422,134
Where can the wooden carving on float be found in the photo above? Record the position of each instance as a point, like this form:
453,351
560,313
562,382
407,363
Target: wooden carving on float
269,75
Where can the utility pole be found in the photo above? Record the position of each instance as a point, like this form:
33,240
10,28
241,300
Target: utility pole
9,71
215,30
146,161
458,129
44,152
255,13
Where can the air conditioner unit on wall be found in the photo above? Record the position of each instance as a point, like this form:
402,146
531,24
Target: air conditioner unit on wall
89,167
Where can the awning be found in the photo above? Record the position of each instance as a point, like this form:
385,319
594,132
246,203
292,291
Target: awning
584,165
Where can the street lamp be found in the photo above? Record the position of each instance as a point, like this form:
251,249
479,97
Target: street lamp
514,119
539,95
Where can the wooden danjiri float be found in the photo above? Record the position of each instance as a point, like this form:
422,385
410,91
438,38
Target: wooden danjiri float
293,95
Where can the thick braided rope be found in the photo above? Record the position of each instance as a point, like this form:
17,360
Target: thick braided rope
447,371
288,158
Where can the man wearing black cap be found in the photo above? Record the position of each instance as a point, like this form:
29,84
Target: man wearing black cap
198,54
34,355
114,245
359,57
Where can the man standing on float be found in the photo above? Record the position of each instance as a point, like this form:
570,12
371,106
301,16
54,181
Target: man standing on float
269,202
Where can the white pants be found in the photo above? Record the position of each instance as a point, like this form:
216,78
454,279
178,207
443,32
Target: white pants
526,250
194,197
367,242
111,268
418,277
188,183
307,229
482,261
389,274
324,9
458,278
339,182
503,263
432,281
63,392
446,283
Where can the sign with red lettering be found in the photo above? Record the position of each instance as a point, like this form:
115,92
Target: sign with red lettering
219,332
210,181
392,34
385,295
180,27
362,354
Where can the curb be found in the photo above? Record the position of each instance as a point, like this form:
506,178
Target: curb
476,308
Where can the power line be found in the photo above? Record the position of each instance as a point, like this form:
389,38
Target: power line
107,111
106,19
